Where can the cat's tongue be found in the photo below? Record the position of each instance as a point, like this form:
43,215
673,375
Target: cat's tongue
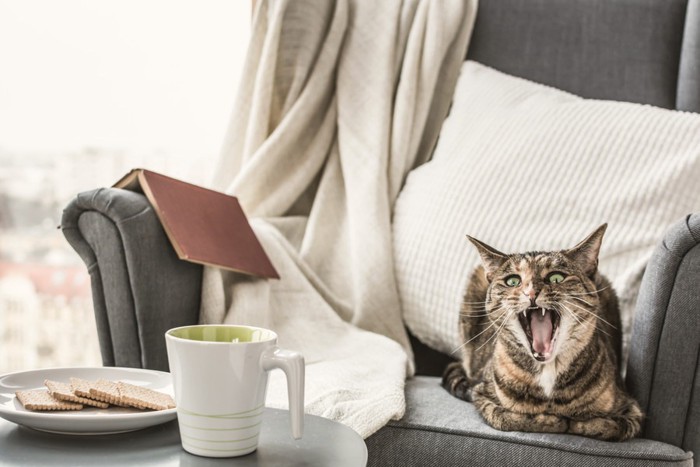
541,326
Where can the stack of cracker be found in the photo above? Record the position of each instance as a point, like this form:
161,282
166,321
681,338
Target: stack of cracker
101,394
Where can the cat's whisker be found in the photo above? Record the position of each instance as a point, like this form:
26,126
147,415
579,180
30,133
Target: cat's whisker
478,308
479,303
563,308
590,312
486,311
579,306
584,301
482,304
467,342
493,323
573,315
495,334
475,314
594,292
594,316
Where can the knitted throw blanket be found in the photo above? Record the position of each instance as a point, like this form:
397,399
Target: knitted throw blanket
338,101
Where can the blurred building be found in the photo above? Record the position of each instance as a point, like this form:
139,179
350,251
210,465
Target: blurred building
47,318
46,314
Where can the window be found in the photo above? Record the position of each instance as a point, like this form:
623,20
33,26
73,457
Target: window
89,90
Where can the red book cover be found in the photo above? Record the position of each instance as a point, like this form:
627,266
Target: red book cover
204,226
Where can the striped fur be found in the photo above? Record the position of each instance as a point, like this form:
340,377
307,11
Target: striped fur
542,345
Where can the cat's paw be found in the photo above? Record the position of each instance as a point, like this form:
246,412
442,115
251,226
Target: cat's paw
505,420
599,428
546,423
622,426
454,379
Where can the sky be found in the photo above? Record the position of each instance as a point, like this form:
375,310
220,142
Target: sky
129,74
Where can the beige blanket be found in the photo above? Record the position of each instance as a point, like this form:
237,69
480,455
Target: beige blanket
338,101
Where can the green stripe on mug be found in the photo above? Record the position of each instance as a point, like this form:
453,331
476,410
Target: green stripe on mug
252,446
256,412
219,429
227,334
220,440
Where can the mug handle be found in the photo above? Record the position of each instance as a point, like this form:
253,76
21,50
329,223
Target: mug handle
292,363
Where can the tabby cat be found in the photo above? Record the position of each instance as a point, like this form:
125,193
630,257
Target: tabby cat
542,344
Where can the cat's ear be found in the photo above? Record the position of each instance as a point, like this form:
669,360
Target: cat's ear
491,258
586,253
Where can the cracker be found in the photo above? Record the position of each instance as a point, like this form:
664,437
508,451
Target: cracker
106,391
81,387
144,398
63,392
40,399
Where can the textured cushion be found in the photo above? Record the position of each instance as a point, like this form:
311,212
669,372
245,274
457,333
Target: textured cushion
523,167
440,430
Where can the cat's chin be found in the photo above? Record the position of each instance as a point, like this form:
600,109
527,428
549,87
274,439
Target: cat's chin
541,327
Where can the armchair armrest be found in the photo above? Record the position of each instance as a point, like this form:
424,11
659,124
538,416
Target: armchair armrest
662,371
140,287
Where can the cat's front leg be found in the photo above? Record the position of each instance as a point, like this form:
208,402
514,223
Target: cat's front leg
456,381
625,424
506,420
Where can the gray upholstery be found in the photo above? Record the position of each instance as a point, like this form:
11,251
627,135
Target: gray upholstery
140,288
689,72
622,50
644,51
440,430
662,371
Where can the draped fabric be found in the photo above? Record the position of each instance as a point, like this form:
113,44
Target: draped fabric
338,101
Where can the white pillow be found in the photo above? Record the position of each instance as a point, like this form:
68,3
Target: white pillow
523,167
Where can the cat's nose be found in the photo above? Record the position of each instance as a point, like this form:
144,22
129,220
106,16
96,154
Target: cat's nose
532,294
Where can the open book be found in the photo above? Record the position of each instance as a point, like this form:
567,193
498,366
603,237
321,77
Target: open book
204,226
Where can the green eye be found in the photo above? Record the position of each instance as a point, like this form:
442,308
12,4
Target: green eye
555,278
513,281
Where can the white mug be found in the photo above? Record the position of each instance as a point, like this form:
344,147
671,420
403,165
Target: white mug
220,380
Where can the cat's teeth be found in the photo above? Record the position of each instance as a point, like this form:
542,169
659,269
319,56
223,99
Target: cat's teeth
542,311
525,313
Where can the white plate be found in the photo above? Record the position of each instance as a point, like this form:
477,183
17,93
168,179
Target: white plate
89,421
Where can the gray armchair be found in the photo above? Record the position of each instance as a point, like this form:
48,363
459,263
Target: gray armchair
644,51
140,288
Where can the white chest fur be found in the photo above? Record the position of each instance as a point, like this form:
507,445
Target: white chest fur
548,377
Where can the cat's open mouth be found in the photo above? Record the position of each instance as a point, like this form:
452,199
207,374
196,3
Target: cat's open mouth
540,326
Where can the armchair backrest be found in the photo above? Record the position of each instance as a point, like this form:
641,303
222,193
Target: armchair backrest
645,51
